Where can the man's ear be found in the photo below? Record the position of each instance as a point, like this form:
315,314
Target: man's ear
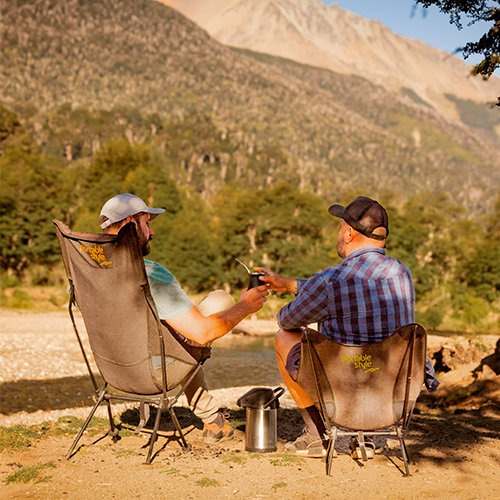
348,235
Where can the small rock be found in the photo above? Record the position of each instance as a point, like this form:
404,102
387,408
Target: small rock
488,373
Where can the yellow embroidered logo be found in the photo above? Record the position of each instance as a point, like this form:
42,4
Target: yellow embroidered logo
364,362
96,253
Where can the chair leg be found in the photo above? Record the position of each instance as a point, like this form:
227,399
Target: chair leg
144,417
113,432
185,446
329,458
404,451
362,446
89,418
331,450
154,436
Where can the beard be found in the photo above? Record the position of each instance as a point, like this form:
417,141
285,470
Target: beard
340,249
144,245
145,249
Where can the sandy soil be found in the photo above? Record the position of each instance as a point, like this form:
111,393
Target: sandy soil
454,439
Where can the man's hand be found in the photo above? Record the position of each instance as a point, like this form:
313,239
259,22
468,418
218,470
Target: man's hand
254,298
276,282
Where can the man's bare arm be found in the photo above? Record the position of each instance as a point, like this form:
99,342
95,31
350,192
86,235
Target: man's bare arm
194,326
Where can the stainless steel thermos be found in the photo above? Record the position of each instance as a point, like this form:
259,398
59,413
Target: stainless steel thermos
261,406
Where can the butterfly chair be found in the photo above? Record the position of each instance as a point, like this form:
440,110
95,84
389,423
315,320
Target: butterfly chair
366,389
136,354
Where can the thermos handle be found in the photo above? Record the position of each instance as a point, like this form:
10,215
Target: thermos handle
277,393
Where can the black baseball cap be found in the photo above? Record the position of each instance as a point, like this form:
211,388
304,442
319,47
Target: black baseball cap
364,215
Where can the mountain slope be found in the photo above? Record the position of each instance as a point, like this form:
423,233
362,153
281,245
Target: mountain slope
335,133
309,32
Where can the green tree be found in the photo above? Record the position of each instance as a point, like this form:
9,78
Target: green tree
488,45
428,235
185,244
105,178
35,189
493,224
12,132
200,154
121,167
481,272
278,227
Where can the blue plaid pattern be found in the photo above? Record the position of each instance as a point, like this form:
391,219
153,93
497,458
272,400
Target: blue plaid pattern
362,300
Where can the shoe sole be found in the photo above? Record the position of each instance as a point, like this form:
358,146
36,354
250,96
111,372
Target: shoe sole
357,455
308,453
216,441
356,450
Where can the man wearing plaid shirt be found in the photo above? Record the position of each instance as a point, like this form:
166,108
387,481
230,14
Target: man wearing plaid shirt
362,300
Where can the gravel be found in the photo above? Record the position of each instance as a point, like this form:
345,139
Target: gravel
43,346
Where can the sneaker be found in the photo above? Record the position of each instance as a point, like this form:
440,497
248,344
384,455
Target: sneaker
218,431
307,446
356,449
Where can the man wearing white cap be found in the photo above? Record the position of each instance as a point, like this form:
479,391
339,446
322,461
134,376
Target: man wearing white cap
215,316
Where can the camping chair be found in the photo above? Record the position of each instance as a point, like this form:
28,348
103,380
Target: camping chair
134,351
364,389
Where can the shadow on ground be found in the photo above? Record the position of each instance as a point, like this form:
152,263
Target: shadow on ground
439,439
439,436
289,421
49,394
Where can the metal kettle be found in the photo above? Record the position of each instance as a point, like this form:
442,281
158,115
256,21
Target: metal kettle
261,405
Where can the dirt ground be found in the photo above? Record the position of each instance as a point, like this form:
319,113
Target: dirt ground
453,440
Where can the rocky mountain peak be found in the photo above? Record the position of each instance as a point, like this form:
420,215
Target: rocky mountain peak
309,32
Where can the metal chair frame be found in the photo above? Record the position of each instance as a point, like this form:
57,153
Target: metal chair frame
400,428
162,401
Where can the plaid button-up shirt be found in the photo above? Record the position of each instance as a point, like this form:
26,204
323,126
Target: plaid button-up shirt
362,300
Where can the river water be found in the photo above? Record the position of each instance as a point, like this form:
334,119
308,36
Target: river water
242,361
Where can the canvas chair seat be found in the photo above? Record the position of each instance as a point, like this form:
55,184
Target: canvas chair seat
364,389
134,351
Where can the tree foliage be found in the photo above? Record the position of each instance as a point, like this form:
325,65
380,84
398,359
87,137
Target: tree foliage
488,46
35,189
455,260
279,227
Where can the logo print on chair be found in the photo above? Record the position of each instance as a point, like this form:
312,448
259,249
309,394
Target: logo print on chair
96,253
364,362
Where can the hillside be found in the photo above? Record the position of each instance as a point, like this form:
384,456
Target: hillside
310,32
333,133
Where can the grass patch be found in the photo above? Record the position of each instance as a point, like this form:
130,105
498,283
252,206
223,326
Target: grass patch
206,482
18,299
34,298
430,135
33,473
16,438
286,460
278,485
232,459
481,346
173,472
480,116
125,453
20,437
72,425
414,97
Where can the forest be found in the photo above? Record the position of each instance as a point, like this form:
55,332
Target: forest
188,165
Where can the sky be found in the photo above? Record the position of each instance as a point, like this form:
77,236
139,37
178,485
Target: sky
434,29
